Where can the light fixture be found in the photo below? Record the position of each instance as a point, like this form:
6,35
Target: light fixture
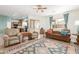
39,8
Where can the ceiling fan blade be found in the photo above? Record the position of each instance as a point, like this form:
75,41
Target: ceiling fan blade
41,8
45,8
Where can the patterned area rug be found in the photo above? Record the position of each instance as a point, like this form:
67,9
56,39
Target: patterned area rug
45,46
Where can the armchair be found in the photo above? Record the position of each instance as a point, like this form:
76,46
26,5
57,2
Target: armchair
11,37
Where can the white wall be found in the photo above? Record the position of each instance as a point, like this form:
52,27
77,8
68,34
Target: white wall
73,16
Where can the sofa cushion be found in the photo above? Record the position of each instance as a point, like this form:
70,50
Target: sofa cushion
56,32
12,32
50,31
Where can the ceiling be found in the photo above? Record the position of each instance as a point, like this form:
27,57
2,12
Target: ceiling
23,10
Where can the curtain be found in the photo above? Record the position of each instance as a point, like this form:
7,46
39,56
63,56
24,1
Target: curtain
66,19
51,19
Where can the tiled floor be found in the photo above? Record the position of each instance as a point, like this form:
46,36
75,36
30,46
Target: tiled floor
43,46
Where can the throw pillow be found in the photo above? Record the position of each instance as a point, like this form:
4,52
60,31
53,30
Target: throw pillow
49,31
64,33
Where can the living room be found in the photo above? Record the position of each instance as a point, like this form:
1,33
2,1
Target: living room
39,29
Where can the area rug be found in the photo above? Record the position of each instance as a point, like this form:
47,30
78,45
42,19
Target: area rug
45,46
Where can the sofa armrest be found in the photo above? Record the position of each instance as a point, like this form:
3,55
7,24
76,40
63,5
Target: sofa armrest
5,37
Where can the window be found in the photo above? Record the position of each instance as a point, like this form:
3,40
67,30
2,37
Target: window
58,23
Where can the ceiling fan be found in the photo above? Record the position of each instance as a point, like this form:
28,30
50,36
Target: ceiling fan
40,8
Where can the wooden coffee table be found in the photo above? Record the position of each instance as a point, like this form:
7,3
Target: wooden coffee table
26,34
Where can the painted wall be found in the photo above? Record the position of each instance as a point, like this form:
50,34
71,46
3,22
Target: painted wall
73,17
3,23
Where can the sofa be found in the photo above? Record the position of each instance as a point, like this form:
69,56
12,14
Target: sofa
57,35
